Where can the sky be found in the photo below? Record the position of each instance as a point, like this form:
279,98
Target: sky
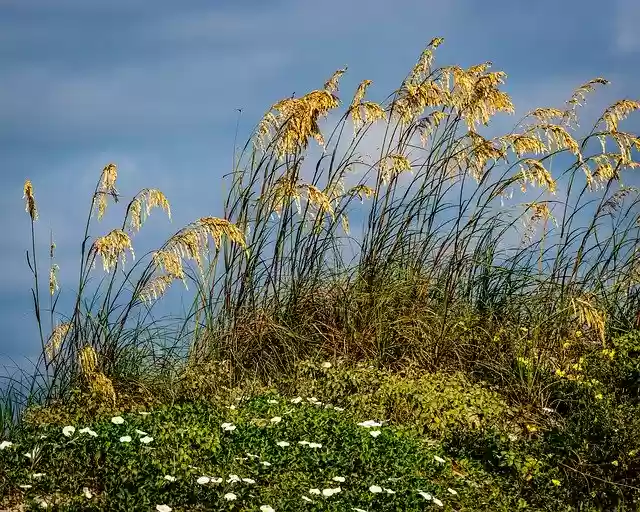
155,86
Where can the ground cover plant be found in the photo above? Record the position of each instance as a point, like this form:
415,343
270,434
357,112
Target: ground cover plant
496,375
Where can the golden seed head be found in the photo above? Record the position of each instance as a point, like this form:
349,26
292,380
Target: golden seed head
533,170
191,240
618,112
362,191
297,121
107,187
55,340
521,144
156,288
88,360
319,200
170,262
53,278
398,163
141,206
331,85
112,246
30,200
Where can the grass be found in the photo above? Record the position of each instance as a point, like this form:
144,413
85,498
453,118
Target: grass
503,375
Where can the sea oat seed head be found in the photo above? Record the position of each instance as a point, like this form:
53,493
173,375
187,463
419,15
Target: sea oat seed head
30,200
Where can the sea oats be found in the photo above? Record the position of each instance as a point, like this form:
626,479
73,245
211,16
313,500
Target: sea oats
155,287
101,385
588,313
141,206
112,246
626,142
398,164
170,262
88,360
30,200
53,278
521,144
479,153
559,138
427,125
413,99
297,120
331,85
107,186
618,112
55,339
319,200
533,171
547,115
345,223
615,201
191,240
362,191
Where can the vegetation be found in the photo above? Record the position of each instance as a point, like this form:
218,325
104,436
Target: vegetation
442,367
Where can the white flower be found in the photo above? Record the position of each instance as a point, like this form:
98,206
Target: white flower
306,498
438,502
282,444
548,409
389,491
266,508
87,430
25,486
370,423
296,400
265,463
68,430
425,495
87,493
451,491
374,433
146,439
315,445
312,399
326,364
163,508
203,480
145,413
315,491
339,409
37,475
232,407
276,419
228,427
216,480
375,488
230,496
233,479
248,480
331,492
438,459
141,433
272,401
117,420
125,439
170,478
5,444
338,479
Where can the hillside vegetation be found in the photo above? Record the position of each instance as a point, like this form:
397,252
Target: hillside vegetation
476,353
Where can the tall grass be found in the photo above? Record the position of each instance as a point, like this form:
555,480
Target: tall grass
433,282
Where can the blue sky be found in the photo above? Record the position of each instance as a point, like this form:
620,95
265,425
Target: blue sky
154,87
